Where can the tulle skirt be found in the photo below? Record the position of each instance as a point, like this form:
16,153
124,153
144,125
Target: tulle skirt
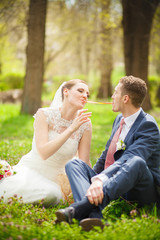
31,186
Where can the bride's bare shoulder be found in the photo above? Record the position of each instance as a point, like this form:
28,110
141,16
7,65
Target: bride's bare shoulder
47,114
43,112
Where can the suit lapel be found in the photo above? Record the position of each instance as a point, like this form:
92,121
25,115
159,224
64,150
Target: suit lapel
140,117
135,125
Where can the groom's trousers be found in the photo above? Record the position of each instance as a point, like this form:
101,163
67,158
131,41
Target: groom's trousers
131,179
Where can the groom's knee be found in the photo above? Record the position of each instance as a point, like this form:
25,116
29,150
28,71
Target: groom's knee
137,164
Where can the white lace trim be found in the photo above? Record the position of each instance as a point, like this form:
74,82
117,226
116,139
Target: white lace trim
58,124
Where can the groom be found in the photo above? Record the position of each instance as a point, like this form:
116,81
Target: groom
129,165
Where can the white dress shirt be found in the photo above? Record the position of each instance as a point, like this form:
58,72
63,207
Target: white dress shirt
128,122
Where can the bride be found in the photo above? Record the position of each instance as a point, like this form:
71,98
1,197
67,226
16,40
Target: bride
60,132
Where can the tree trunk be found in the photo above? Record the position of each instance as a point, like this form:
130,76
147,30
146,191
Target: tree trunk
137,23
31,100
105,89
105,59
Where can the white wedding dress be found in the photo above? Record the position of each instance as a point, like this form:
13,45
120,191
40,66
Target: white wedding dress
38,179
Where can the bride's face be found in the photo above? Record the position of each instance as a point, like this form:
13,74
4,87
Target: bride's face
78,95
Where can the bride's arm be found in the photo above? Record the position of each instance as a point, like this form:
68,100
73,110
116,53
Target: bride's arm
84,146
47,148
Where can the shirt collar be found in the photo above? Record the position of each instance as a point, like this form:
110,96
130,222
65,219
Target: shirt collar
131,119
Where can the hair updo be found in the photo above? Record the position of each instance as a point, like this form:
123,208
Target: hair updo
70,84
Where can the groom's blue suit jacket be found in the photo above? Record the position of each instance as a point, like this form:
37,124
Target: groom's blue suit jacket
143,140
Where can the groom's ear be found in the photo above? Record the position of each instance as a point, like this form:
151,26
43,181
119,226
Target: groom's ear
126,98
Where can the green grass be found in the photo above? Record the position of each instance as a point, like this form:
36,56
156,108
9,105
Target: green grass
16,132
25,221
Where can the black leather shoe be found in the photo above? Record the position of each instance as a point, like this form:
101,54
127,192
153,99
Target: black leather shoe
88,224
65,215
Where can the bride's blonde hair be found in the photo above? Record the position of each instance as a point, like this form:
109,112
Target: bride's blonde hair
70,84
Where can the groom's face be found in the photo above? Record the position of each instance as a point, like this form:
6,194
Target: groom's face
117,99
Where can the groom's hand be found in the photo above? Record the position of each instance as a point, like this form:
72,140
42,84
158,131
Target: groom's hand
95,192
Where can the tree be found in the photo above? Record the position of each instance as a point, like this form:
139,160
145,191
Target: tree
137,22
105,58
35,57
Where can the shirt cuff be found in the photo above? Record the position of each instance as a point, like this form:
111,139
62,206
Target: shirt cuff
101,177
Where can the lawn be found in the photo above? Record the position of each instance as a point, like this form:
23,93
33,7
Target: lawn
25,221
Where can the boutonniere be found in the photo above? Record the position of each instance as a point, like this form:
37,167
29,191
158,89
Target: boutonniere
120,145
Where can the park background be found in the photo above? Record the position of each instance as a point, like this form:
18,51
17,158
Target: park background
42,44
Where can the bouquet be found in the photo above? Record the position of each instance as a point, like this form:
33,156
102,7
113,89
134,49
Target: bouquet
5,169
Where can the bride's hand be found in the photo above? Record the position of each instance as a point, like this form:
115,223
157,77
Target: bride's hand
81,118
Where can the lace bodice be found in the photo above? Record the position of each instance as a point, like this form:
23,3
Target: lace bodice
58,124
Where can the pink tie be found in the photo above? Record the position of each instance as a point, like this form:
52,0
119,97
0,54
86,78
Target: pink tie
112,147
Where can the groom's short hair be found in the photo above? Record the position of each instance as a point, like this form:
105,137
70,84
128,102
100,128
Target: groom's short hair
135,88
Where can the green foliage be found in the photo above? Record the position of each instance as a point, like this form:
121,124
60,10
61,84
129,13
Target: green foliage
93,80
50,86
154,85
117,73
11,81
34,222
116,208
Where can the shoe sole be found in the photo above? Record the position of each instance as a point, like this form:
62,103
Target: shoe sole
89,224
61,216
